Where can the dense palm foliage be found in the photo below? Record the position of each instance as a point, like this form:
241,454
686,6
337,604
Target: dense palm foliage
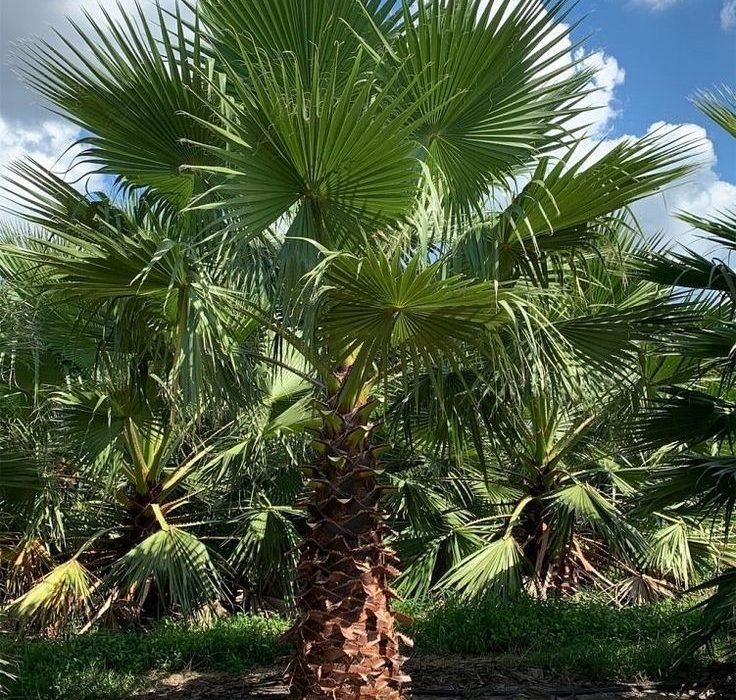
549,500
352,241
693,419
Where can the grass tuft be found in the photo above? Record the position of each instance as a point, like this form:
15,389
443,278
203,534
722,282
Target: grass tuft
112,665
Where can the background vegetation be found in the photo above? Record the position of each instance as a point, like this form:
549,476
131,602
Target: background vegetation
585,637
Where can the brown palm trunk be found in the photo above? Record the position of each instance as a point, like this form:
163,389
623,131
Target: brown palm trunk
346,643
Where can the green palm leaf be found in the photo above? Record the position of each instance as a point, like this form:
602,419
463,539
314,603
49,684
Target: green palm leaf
707,482
499,565
565,203
130,84
720,106
336,159
496,98
313,31
177,563
64,593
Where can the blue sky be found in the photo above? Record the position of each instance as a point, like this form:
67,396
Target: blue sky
668,50
652,56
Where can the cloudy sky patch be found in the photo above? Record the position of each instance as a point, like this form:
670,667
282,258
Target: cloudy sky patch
623,99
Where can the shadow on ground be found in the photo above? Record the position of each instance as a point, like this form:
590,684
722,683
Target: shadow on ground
450,678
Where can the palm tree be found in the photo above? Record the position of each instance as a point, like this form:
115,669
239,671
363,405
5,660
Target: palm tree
343,176
115,448
543,499
102,423
692,420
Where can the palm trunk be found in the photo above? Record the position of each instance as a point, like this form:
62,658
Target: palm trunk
347,647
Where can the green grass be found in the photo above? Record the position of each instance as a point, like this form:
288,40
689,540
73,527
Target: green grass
583,636
111,666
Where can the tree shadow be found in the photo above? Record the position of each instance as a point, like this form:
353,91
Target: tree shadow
194,685
454,677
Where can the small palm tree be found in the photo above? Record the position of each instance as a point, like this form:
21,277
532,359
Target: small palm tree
115,437
341,175
102,424
541,497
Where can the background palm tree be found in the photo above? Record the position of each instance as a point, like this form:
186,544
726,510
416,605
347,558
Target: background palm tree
340,179
693,419
116,435
543,496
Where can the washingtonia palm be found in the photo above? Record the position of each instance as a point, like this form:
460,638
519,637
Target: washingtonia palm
112,447
553,511
123,395
539,494
692,420
355,145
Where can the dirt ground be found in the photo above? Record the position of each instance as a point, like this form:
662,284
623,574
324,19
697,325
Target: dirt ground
451,678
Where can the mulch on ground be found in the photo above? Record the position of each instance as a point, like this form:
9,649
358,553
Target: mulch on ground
452,678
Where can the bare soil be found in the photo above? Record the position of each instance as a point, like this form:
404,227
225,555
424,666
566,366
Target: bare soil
452,678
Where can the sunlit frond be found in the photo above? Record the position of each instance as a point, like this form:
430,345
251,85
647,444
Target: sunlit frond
62,595
177,563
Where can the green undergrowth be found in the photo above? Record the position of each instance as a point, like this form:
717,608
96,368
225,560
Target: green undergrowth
111,665
584,637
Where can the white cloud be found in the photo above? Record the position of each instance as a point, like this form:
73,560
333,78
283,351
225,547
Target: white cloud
657,4
27,21
602,102
52,144
25,128
46,143
728,14
703,193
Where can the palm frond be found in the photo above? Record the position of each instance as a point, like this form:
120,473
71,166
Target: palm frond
314,32
131,83
63,594
498,95
499,565
684,416
720,106
707,482
177,563
566,204
718,613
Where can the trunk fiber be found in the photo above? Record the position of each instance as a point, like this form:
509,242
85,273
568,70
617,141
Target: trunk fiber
347,647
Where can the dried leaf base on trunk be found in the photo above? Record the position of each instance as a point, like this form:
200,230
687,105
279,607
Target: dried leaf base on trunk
347,645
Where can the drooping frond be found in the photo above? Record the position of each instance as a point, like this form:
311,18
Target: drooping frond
63,594
177,563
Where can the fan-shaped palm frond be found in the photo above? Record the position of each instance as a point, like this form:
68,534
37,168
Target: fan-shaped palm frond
66,592
174,561
720,106
131,82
